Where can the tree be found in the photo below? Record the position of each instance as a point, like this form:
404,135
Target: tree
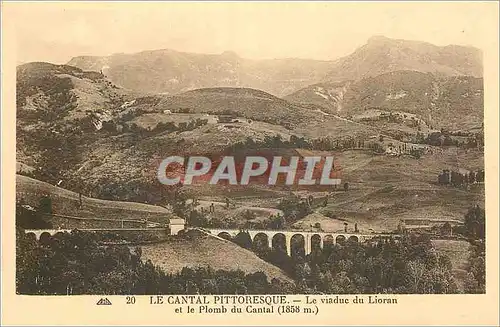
475,222
30,218
197,219
480,176
249,215
416,153
294,209
415,272
472,177
476,277
243,239
257,283
45,204
446,229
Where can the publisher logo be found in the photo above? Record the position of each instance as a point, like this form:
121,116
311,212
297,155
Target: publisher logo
104,301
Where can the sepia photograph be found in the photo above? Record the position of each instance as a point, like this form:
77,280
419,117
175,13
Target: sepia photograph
182,150
402,118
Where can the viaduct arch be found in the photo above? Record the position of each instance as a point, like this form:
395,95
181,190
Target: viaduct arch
338,237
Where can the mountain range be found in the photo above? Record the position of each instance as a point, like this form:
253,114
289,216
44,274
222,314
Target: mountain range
171,72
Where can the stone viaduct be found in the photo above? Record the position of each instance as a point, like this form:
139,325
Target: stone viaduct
39,232
270,236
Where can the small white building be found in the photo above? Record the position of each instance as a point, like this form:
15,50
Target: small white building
176,225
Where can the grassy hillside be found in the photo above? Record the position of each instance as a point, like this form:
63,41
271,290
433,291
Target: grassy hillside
203,251
453,102
49,92
65,202
385,189
249,103
326,95
119,160
449,102
60,110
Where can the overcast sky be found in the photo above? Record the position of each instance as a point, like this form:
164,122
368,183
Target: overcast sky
58,32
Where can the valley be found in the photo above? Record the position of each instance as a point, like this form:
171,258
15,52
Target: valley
406,133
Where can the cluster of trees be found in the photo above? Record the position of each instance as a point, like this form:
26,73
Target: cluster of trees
204,219
474,229
434,138
475,282
142,191
114,127
182,127
58,97
416,153
182,110
294,209
272,222
475,223
225,112
129,114
60,149
376,147
32,218
328,144
321,144
444,138
454,178
409,266
201,219
476,141
75,263
395,118
250,116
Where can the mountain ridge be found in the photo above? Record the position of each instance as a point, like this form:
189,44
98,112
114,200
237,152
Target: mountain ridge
382,55
454,101
171,72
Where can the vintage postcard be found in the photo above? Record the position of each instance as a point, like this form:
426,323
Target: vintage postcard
250,163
